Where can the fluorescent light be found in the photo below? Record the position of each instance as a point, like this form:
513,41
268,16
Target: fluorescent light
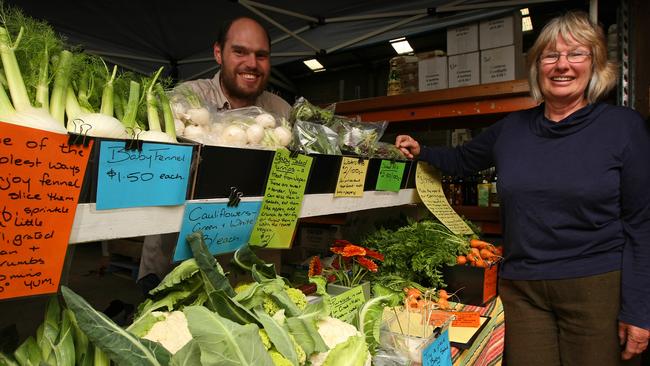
401,45
314,65
524,11
526,24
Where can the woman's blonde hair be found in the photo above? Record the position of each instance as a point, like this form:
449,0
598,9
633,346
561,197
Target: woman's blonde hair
575,24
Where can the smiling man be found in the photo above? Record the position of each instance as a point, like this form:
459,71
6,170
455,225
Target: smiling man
243,51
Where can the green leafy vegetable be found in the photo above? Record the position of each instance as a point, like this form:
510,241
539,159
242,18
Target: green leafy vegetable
278,336
189,355
352,352
370,318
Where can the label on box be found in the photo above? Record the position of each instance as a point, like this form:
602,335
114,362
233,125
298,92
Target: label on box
224,228
490,283
498,64
345,305
390,176
157,175
427,182
438,353
40,180
464,70
352,177
462,39
432,74
285,189
497,32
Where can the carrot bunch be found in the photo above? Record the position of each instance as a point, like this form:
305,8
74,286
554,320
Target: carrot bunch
481,254
415,300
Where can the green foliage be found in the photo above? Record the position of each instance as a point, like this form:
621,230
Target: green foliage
417,251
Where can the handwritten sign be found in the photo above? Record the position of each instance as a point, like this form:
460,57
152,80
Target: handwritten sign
390,176
224,228
466,319
352,177
156,176
438,353
427,182
490,283
345,305
285,189
40,181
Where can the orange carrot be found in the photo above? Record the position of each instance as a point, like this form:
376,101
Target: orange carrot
461,259
480,244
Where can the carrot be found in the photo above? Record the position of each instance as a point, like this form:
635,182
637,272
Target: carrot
443,294
443,304
461,259
486,253
479,244
412,293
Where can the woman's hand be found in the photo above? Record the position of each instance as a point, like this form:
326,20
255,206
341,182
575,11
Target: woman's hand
634,339
408,146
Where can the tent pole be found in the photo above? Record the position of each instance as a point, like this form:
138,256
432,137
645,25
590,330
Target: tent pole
492,4
127,56
286,36
283,28
376,32
376,16
279,10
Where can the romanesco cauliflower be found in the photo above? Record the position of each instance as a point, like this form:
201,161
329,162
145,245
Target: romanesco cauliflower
298,297
265,339
278,359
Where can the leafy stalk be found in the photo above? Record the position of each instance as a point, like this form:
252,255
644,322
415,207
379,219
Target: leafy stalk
152,104
168,115
60,90
107,95
42,88
17,89
131,109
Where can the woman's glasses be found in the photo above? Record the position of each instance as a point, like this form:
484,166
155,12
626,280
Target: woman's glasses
573,57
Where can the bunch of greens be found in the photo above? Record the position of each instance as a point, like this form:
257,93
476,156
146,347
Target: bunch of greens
312,137
418,251
302,110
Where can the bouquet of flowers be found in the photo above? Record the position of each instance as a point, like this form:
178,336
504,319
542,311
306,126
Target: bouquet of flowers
350,265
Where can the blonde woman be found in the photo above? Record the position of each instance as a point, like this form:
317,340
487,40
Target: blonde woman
574,185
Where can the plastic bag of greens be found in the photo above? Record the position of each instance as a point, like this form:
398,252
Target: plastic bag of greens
359,138
310,137
385,150
302,110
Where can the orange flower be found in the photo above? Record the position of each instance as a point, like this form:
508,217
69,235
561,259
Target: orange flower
374,255
315,266
368,264
341,243
352,250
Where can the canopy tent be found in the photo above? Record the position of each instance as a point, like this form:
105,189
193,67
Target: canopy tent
144,35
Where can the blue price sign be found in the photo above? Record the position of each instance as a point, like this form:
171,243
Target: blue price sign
157,175
438,353
224,228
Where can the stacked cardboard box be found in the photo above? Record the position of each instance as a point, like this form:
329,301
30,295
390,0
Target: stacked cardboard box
501,49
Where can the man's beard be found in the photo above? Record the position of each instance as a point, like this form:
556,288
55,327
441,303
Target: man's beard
230,85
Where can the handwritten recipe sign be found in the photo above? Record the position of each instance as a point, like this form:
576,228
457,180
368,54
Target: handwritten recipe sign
427,182
352,177
285,189
40,180
224,228
158,175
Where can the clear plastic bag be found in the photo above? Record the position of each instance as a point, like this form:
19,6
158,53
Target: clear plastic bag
310,137
384,150
359,138
302,110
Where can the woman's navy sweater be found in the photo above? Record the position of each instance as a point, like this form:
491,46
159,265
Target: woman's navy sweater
574,196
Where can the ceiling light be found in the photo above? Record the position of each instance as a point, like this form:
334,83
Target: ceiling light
314,65
526,24
524,11
401,45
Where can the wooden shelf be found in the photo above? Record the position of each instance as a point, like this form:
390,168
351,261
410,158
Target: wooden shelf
487,218
495,98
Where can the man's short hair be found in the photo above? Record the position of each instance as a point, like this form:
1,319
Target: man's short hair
225,27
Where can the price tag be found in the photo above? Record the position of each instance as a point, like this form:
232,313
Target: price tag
40,180
224,228
427,182
390,175
156,176
352,177
345,305
438,353
285,189
470,319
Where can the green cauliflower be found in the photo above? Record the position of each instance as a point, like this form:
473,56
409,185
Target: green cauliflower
278,359
302,356
265,339
298,297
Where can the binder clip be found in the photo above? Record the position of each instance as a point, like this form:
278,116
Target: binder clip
235,197
80,138
135,143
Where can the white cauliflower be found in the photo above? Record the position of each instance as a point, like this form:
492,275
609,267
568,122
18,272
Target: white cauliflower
172,332
334,331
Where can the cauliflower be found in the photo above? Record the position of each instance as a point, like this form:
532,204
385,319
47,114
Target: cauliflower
278,359
298,297
172,332
334,331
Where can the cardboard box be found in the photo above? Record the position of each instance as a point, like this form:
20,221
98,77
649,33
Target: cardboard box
501,64
432,73
462,39
464,69
472,285
501,32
